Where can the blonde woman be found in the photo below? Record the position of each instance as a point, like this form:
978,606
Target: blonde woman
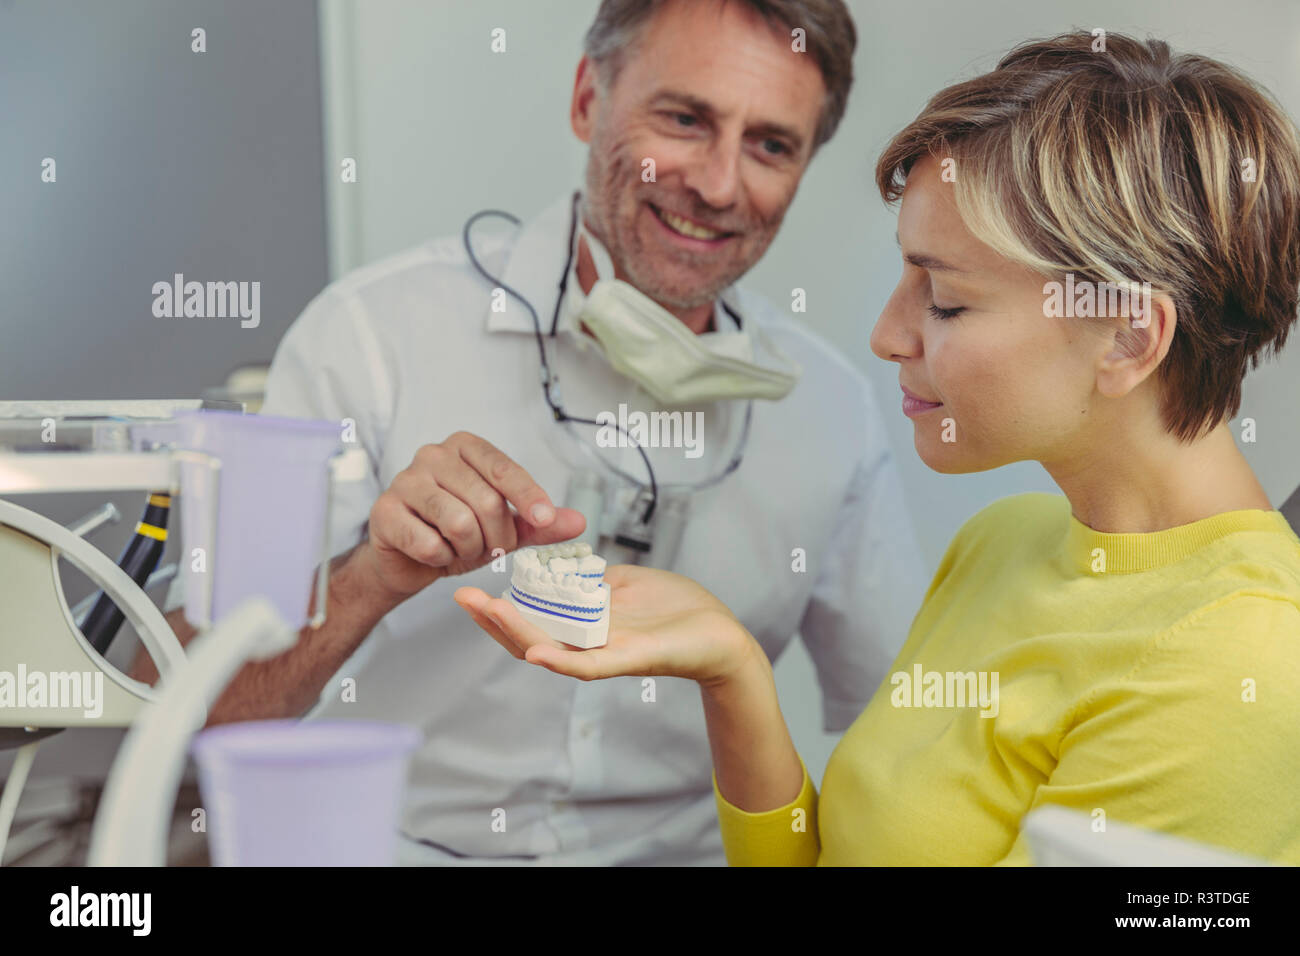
1096,247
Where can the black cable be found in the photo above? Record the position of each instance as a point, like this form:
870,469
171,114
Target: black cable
548,379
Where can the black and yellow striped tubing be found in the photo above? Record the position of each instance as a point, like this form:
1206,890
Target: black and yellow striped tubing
138,560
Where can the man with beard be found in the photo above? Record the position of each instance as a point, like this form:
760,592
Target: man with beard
701,120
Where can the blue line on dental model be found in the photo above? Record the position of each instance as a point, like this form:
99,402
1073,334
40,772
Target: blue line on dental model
592,616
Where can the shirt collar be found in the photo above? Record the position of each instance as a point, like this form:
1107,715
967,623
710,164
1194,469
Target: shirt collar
1145,551
533,270
536,261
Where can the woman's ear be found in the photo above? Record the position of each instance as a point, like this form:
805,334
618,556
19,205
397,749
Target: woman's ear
1143,333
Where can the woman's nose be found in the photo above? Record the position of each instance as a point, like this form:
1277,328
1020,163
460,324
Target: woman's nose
893,339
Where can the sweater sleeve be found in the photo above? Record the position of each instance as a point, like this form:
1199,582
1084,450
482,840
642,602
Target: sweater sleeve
1200,739
786,836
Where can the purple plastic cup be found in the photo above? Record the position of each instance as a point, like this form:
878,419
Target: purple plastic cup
291,793
271,509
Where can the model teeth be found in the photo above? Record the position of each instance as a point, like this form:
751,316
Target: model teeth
562,573
558,589
686,227
544,555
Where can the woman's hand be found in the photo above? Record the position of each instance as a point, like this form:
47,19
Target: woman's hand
663,624
660,625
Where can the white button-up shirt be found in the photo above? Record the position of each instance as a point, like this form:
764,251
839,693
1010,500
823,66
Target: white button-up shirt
809,535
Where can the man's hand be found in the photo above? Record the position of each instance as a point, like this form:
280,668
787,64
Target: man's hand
451,508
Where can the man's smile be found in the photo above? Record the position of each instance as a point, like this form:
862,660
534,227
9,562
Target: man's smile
689,228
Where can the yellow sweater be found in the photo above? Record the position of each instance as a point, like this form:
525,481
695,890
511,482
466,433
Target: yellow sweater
1155,677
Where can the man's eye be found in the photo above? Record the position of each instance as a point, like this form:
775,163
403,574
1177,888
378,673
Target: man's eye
685,119
775,147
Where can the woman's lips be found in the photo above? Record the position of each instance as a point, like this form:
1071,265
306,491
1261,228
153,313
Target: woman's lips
916,406
912,406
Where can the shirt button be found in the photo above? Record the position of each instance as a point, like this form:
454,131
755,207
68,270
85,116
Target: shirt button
585,730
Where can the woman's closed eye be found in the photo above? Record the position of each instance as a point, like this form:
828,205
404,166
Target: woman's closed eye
942,314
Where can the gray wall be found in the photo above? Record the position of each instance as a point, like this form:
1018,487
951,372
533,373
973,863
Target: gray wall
208,164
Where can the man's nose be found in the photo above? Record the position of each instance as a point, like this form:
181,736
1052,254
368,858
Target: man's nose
715,175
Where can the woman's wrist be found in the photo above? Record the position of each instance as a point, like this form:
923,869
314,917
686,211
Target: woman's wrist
754,759
744,662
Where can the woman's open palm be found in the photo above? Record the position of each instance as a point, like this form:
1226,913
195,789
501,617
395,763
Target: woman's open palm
660,624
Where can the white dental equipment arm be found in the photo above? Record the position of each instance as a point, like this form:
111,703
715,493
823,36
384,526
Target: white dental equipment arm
154,631
135,814
131,826
38,625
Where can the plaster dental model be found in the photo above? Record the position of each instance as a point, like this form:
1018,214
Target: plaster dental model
560,588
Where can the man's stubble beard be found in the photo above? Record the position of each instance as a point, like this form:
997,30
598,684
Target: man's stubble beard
604,182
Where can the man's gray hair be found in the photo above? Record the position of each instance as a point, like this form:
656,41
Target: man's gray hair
829,37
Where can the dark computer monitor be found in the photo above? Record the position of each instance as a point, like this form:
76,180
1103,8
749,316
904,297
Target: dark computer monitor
1291,510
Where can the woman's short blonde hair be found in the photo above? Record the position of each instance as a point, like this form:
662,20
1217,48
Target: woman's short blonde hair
1129,164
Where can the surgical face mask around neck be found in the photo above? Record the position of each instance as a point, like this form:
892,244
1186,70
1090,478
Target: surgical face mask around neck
654,348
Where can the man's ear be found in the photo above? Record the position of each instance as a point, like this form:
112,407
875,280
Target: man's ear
582,109
1145,333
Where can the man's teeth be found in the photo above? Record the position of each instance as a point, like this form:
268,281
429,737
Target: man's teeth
687,228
